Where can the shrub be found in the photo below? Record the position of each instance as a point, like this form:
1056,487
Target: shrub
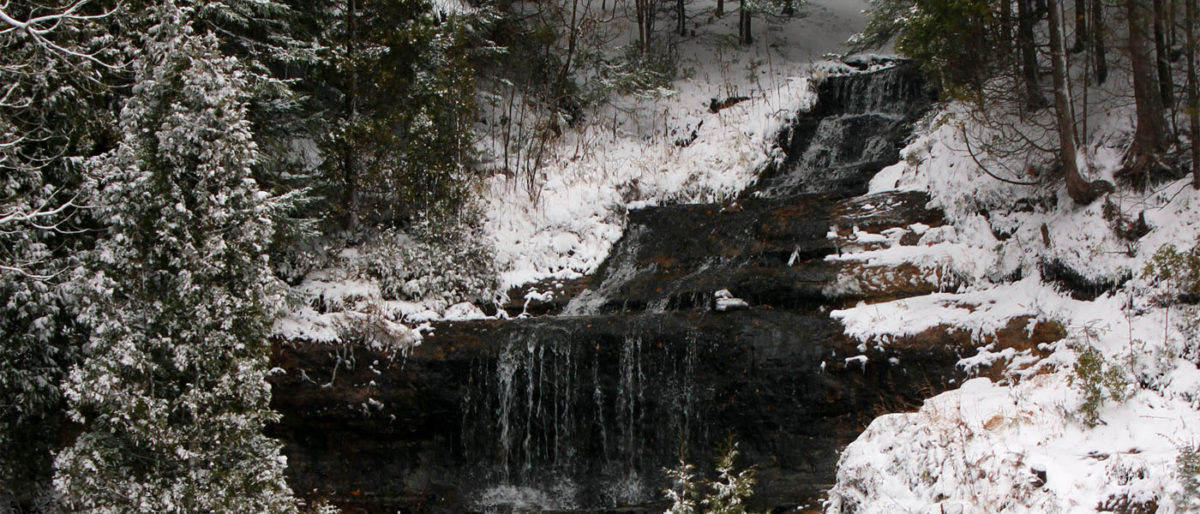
1098,380
1179,270
1187,466
727,494
436,259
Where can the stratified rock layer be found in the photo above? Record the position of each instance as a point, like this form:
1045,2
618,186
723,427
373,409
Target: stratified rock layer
583,411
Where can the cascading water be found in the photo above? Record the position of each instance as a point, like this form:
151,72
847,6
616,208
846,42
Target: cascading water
583,412
855,128
551,408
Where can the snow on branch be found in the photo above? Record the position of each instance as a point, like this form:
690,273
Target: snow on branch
39,27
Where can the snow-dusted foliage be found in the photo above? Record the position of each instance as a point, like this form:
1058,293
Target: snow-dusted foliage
440,261
171,391
684,490
434,270
726,494
730,490
1101,421
52,62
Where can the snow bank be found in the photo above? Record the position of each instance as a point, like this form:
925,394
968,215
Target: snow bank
1025,444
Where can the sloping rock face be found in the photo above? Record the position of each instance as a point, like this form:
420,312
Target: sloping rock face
708,323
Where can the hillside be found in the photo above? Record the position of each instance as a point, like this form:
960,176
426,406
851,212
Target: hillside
891,255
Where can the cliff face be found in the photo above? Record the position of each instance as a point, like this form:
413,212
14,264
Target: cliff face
584,413
708,322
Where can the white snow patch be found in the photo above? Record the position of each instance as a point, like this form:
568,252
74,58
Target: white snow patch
725,301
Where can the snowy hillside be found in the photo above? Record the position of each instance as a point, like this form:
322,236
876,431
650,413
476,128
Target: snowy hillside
630,152
1104,420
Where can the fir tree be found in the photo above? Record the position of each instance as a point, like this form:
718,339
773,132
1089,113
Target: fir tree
395,93
172,392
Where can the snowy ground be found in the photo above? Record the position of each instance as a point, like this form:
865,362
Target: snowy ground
627,156
1026,443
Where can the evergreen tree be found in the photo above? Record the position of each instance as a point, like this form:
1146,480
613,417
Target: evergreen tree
54,67
730,490
171,392
260,34
395,91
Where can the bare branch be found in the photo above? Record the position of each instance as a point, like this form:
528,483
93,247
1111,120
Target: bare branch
967,140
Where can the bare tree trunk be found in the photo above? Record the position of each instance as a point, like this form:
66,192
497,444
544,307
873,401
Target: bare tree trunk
1150,137
1078,188
350,193
1193,108
1029,66
641,9
1172,23
1080,26
744,24
572,41
1165,82
1006,30
680,18
1101,62
720,8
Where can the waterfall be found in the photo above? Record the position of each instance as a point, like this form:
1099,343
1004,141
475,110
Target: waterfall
584,411
856,127
551,408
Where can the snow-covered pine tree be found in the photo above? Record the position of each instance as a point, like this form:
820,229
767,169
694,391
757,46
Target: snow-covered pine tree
684,491
171,393
729,491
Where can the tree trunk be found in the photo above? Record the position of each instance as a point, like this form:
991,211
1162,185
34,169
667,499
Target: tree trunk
720,8
1165,82
1193,108
1078,188
1080,26
1150,137
645,22
350,193
1098,41
744,24
680,18
1029,66
1006,32
560,85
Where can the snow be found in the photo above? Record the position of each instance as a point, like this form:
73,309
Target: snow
982,447
625,156
725,301
463,312
989,446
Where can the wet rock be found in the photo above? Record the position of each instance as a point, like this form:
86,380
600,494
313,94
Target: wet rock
582,406
585,411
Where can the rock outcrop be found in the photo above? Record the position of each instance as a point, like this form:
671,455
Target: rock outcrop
582,411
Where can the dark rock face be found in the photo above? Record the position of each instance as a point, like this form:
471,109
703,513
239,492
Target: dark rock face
582,412
768,251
